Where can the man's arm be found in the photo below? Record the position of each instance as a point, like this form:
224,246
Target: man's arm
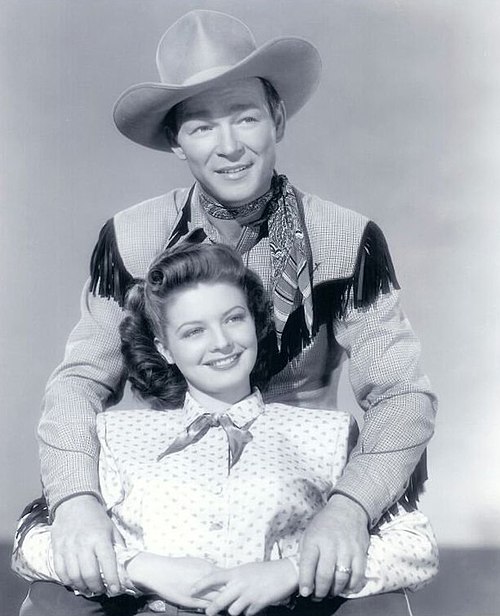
389,385
399,410
90,378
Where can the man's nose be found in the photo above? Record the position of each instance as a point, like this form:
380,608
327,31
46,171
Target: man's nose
229,144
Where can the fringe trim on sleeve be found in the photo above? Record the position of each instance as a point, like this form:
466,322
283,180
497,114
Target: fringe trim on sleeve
374,271
109,277
34,514
415,488
373,274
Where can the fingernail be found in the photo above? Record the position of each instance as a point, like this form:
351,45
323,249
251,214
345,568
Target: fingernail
305,591
114,589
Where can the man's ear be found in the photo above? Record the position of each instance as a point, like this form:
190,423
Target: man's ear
164,352
280,122
178,151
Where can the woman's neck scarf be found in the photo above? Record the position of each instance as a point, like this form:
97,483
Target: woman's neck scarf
278,217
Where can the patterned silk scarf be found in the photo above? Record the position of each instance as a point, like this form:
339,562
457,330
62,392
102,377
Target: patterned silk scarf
291,281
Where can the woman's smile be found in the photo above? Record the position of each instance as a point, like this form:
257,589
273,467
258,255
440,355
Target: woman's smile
210,336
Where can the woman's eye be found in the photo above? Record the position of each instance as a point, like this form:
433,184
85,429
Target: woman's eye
236,318
192,332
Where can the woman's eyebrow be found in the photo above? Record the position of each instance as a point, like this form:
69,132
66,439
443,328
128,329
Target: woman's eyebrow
188,324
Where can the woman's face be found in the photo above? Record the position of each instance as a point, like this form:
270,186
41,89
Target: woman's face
210,336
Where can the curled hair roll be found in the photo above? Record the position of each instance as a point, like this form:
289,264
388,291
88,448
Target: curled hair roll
151,377
155,380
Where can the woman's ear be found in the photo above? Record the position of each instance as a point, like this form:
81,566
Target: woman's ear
164,352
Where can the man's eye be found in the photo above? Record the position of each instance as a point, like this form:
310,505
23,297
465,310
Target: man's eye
248,120
200,129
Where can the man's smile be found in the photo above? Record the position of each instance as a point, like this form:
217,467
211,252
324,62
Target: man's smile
234,169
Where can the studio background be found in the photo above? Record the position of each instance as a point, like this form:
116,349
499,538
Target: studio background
404,128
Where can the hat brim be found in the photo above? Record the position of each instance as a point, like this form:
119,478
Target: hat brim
291,64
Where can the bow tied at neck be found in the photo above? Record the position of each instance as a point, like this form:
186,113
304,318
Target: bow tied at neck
237,438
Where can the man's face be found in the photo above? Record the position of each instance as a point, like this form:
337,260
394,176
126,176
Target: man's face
228,138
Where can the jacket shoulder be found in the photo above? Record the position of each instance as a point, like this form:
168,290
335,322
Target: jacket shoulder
335,235
142,230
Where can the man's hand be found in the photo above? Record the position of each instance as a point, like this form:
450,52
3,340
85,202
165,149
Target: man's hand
249,588
334,548
82,542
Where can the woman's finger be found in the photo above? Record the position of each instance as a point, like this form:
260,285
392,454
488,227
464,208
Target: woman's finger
210,582
226,598
238,607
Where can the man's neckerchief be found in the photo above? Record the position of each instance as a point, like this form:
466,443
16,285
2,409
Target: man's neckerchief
280,220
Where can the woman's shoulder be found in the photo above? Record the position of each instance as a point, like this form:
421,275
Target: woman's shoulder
298,418
127,424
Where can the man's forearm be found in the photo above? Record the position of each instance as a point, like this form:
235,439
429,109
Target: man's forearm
89,379
381,464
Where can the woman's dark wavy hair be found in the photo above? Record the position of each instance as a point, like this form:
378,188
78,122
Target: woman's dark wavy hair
151,377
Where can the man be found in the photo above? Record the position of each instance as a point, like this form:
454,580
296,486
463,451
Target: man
222,106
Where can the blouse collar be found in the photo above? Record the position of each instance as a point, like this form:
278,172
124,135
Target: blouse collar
241,413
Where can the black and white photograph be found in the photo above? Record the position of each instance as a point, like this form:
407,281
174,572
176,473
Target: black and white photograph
249,324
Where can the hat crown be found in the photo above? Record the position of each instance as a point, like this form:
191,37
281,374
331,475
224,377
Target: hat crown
202,43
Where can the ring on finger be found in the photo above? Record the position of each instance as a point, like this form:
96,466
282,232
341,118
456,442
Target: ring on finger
344,570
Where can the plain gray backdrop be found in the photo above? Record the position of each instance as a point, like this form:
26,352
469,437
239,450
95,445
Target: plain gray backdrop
404,128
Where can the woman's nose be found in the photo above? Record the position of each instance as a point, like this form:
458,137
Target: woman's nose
219,340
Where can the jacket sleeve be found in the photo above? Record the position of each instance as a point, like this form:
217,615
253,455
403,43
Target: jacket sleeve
90,378
389,385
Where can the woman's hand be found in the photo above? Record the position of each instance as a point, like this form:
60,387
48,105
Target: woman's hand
334,548
171,578
249,588
82,544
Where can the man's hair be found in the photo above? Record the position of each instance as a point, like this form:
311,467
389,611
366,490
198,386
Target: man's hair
177,269
172,121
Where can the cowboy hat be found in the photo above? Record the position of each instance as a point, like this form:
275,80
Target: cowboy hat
205,49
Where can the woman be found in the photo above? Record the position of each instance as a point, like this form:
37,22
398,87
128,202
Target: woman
212,495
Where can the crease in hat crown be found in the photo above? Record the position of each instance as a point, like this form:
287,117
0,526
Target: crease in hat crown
205,49
200,45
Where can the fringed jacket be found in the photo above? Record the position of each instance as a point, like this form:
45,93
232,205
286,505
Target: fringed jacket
357,314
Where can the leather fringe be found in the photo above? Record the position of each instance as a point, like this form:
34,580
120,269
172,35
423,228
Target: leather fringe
108,275
415,488
37,512
373,274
